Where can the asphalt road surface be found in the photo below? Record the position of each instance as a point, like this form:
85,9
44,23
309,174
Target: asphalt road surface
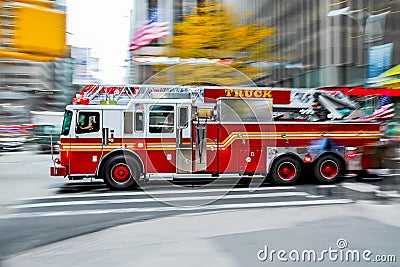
37,210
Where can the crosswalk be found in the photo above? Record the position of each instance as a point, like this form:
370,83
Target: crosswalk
176,200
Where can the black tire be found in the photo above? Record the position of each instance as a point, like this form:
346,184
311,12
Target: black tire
286,171
121,173
328,169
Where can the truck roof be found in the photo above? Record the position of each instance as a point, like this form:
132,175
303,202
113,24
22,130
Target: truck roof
158,101
96,107
130,104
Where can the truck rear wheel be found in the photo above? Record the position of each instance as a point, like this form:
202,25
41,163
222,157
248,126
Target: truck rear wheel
286,171
121,172
328,169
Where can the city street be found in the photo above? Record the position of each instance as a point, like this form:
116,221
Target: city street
24,174
199,133
39,212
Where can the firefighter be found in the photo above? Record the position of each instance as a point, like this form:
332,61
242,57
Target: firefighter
169,124
91,125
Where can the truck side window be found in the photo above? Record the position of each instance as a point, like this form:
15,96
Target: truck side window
139,122
183,118
128,122
87,122
161,119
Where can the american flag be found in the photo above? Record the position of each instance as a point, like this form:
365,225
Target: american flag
384,111
152,30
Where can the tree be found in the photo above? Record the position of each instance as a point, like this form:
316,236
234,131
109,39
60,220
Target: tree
214,32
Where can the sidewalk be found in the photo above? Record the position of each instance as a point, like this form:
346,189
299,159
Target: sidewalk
230,238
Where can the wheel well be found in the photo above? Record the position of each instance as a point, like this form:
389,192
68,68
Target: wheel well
290,155
116,153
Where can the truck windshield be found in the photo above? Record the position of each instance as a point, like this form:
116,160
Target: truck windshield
66,123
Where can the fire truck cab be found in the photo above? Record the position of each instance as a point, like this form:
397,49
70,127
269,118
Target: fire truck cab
173,134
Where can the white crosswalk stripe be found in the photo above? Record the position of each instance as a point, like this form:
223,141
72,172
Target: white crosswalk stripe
190,208
175,191
167,200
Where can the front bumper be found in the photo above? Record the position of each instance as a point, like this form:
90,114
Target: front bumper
58,170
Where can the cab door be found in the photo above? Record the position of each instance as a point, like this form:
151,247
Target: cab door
161,138
111,130
183,139
86,142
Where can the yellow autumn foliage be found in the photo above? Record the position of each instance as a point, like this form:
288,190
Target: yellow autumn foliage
214,32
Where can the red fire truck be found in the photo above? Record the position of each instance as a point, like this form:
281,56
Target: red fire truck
127,134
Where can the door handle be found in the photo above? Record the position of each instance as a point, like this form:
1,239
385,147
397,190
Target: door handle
105,136
179,137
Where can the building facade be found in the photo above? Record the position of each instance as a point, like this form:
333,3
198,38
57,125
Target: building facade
170,11
34,86
329,42
319,43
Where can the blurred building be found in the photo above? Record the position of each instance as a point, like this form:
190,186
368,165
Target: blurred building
26,82
36,85
63,86
86,67
32,85
327,42
318,42
44,86
170,11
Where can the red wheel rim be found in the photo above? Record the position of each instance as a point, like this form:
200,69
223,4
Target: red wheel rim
287,171
329,169
121,173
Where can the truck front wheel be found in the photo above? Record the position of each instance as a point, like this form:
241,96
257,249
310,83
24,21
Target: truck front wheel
121,172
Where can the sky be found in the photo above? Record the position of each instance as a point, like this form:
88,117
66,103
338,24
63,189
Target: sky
104,27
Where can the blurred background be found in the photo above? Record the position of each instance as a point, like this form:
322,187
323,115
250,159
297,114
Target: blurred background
50,49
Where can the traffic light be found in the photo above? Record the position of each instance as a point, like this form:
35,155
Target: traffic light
32,30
